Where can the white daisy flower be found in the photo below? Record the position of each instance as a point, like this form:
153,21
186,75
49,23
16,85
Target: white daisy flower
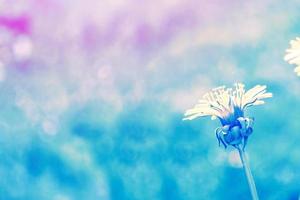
228,105
293,54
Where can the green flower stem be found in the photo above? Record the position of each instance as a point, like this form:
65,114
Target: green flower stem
250,179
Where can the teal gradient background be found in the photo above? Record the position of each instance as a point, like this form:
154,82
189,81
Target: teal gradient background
92,96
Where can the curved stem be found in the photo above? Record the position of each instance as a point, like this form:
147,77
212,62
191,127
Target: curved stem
250,179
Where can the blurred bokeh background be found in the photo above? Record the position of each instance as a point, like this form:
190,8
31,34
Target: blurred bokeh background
92,95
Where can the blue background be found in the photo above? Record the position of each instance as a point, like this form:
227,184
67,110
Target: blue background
92,97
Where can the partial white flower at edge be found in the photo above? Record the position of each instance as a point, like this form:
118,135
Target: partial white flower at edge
293,54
